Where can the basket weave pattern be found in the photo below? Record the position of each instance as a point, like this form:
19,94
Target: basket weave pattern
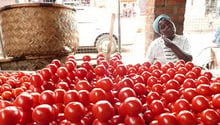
38,31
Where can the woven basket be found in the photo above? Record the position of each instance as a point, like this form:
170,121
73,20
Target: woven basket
38,29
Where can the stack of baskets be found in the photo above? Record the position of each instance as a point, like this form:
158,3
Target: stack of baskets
38,29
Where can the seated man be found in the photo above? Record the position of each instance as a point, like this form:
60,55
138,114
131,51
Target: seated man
169,47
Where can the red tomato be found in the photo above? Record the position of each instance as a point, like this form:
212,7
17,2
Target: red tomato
141,69
171,72
47,97
167,119
180,105
180,78
151,81
132,106
74,111
171,95
62,72
157,73
70,66
62,85
216,101
146,75
182,70
159,88
189,83
202,80
116,119
125,93
121,70
207,74
105,83
88,66
191,74
100,70
189,93
59,94
84,97
97,94
165,77
36,80
125,82
103,110
134,120
52,67
172,84
140,89
200,103
210,117
10,115
43,114
70,96
197,70
148,64
215,87
157,107
86,58
186,118
56,62
152,96
46,74
148,116
204,89
24,100
83,85
189,65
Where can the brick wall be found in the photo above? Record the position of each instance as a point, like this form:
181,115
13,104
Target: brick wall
174,8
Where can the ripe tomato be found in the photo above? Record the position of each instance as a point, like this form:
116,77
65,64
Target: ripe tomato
180,105
159,88
100,70
210,117
83,85
157,107
171,95
43,114
197,70
105,83
134,120
10,115
191,74
157,73
216,101
84,97
172,84
62,72
186,117
47,97
121,70
24,100
200,103
215,87
103,110
74,111
189,83
70,66
189,65
132,106
151,81
70,96
167,119
86,58
204,89
189,93
56,62
52,67
140,89
36,80
97,94
207,74
152,96
125,82
46,74
125,93
171,72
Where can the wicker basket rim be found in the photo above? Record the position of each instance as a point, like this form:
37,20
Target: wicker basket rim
7,7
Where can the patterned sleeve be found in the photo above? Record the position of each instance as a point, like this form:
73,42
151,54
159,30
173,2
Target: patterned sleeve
187,46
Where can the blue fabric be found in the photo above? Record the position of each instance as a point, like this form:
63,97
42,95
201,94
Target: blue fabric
217,36
156,22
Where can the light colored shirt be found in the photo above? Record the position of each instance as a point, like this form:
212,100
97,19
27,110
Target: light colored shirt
158,51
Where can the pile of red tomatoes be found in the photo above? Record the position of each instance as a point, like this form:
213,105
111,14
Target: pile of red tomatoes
110,93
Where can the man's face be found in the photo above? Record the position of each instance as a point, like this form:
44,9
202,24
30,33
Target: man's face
166,28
